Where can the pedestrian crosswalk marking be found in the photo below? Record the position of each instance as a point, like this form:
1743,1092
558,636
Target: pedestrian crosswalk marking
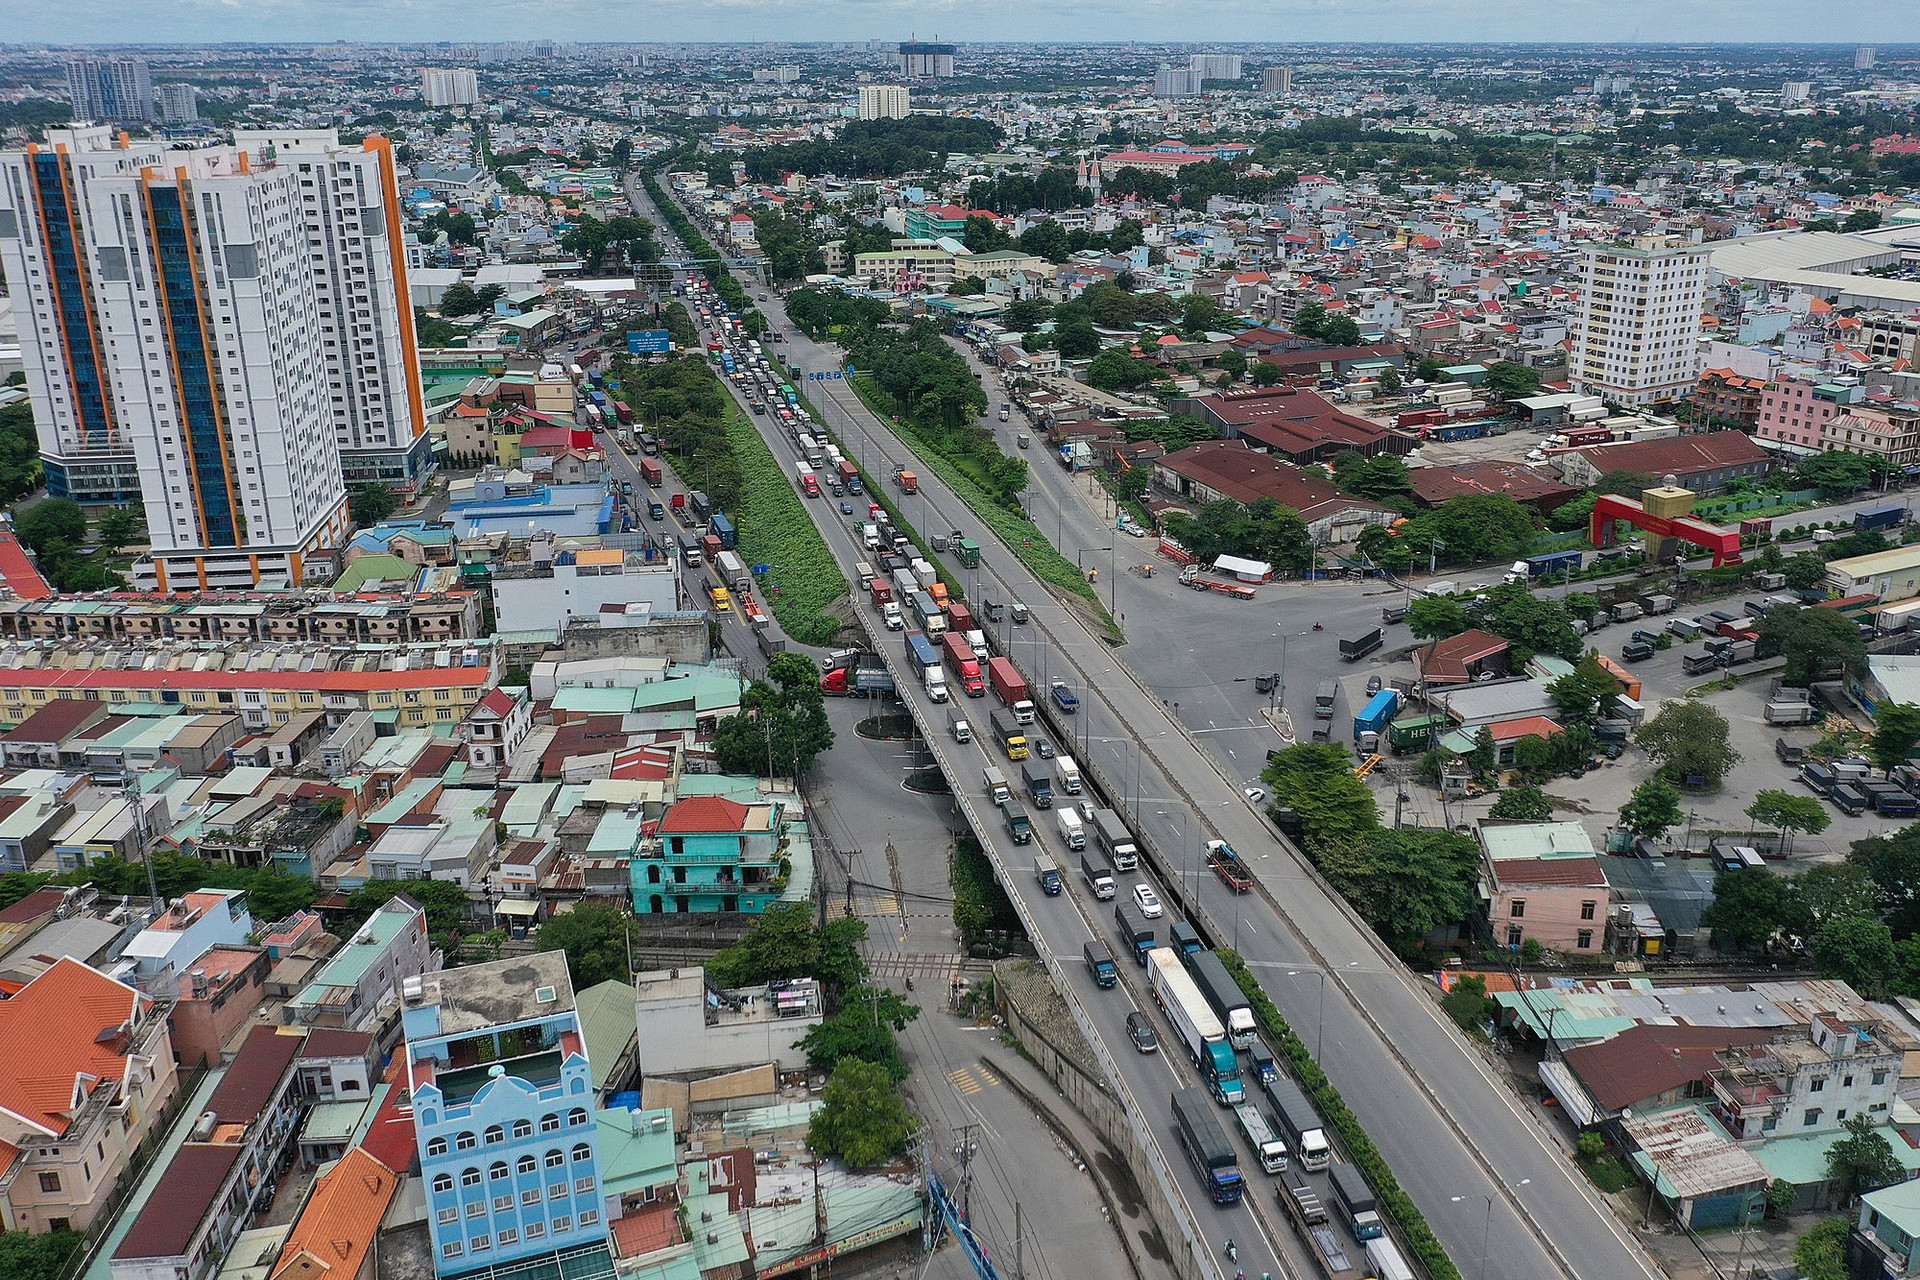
963,1081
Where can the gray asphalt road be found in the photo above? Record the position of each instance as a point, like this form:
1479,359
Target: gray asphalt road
891,844
1458,1141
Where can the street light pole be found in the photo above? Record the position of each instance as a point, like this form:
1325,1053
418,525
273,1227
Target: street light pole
1320,1014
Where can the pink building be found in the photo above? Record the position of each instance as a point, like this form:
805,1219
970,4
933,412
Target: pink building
1544,882
214,999
1794,413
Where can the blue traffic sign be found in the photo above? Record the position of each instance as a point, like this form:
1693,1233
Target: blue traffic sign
649,342
761,568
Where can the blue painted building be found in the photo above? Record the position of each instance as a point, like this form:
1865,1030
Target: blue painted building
712,854
503,1115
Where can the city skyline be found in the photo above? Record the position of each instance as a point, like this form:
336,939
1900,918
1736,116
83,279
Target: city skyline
1330,21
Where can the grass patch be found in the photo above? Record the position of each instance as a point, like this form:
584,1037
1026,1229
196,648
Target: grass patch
1608,1172
774,530
1020,534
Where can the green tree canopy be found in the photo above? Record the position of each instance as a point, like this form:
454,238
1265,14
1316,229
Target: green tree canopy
1835,473
863,1028
1405,883
1858,951
785,942
1586,693
861,1119
372,503
1821,1251
1437,617
594,936
1382,478
1788,811
1861,1160
1750,906
50,524
1317,782
459,298
1689,740
1896,731
1522,804
1512,381
1819,644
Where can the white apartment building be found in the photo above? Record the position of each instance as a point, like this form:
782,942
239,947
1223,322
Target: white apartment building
1276,80
883,102
106,90
187,318
449,86
1216,66
1635,340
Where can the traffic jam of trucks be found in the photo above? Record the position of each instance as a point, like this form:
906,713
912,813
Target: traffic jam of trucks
950,647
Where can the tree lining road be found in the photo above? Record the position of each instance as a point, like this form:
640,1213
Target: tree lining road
1408,1075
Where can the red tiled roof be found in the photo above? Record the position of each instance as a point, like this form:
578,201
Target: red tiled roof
340,1220
1646,1061
704,814
252,1077
1677,455
306,681
1434,485
1542,872
41,902
56,721
328,1042
1326,355
1232,470
17,571
390,1139
1447,660
167,1224
1525,726
499,702
61,1034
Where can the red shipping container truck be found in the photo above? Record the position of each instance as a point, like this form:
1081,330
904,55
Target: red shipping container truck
966,667
651,472
1009,683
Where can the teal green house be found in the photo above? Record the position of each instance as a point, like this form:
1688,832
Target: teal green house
711,854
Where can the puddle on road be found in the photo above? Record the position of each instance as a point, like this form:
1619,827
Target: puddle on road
1119,1180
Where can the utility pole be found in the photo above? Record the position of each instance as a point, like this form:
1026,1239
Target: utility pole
1019,1244
964,1150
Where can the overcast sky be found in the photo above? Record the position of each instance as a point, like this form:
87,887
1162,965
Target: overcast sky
91,21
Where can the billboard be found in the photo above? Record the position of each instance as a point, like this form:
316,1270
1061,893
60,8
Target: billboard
649,342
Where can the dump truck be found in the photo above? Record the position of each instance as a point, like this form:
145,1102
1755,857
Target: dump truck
1359,647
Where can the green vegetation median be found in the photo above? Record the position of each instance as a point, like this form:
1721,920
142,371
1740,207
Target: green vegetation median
775,531
1335,1112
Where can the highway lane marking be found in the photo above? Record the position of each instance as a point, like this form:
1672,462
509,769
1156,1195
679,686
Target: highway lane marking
963,1080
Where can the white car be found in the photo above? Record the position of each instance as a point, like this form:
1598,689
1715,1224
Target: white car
1149,901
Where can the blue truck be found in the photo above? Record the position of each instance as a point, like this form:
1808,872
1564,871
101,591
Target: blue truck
1376,715
722,528
1545,566
1207,1147
1890,516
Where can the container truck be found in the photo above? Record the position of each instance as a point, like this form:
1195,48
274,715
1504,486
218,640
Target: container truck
960,618
1885,517
858,678
1260,1136
849,475
1047,872
1098,878
920,650
1544,566
1011,687
1224,995
923,573
1385,1262
651,472
909,482
1039,784
1099,958
1200,1032
1356,1203
1069,774
1323,699
722,528
1207,1147
966,668
1073,832
1136,932
1008,733
1019,825
1792,711
727,567
932,618
1416,733
1358,648
1305,1138
1375,717
1115,840
969,553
